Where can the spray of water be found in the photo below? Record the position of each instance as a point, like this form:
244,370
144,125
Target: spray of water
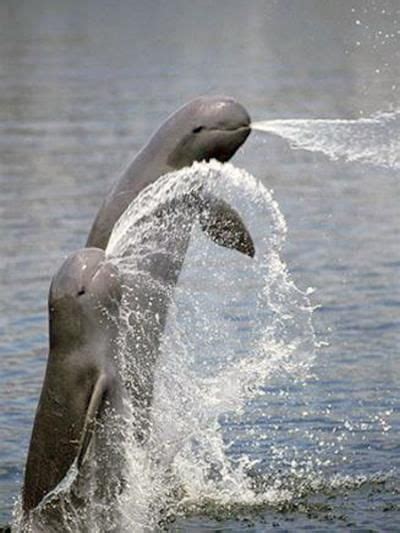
236,328
234,325
373,140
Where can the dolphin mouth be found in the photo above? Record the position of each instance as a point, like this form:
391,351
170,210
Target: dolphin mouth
105,269
235,129
245,127
98,269
240,131
236,134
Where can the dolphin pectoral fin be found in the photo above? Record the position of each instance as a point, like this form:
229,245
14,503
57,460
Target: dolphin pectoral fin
95,403
224,226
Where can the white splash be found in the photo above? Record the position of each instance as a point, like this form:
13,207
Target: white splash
372,140
235,326
236,323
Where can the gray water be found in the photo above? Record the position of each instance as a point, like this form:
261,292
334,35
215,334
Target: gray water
83,85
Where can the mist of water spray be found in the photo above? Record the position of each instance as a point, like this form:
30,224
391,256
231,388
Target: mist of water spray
374,140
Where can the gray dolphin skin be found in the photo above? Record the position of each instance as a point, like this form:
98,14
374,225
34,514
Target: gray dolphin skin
160,248
209,127
81,386
204,129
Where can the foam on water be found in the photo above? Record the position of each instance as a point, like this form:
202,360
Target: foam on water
373,140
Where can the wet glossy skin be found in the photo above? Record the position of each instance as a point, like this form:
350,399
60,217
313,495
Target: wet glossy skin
83,304
206,128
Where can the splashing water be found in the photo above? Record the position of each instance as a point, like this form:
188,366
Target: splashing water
234,325
237,342
373,140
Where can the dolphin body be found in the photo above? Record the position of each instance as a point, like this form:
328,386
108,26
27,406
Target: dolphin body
82,388
81,398
204,129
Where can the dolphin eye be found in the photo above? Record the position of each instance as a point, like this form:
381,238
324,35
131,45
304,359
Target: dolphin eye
197,129
81,291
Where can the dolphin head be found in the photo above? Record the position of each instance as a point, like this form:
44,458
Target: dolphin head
209,127
83,299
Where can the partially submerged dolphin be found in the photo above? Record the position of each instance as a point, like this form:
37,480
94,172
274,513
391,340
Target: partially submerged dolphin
204,129
81,389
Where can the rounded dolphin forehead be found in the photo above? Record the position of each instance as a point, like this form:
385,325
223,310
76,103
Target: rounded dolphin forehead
217,111
76,272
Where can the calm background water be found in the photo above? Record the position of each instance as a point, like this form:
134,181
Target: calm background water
84,84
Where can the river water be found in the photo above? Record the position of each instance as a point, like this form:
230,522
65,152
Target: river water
84,84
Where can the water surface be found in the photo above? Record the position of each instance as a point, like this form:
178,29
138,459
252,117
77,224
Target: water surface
83,85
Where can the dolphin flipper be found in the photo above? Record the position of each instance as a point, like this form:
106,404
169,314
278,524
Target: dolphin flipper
219,221
95,403
224,225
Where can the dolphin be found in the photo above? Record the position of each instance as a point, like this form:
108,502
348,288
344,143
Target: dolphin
204,129
81,393
209,127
